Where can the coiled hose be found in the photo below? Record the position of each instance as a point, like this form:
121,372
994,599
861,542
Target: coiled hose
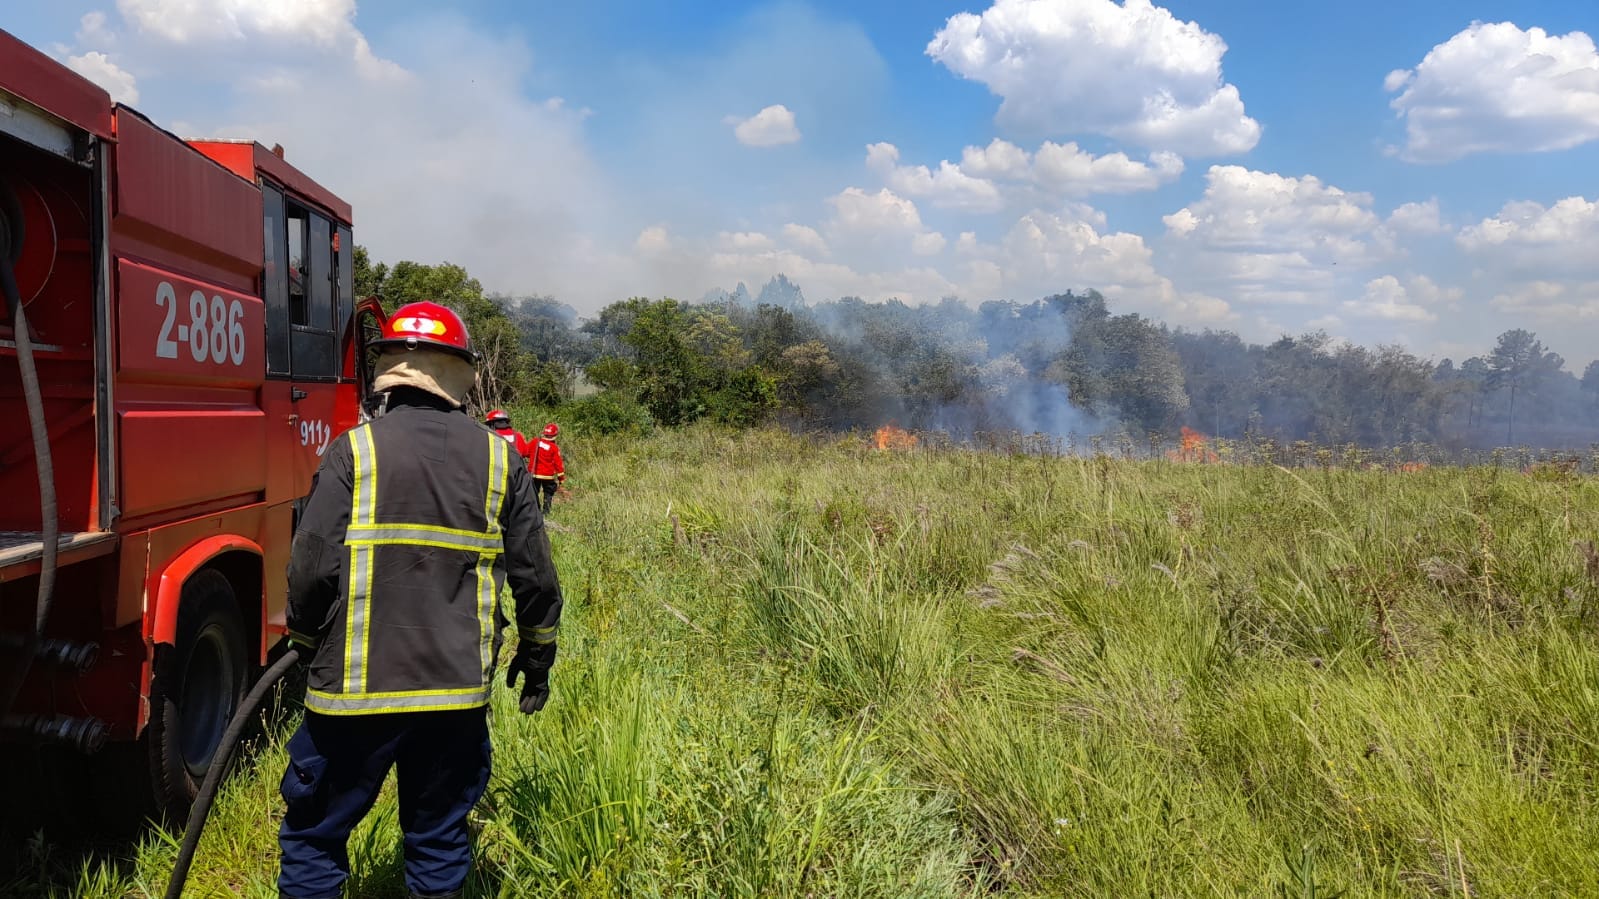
201,809
48,524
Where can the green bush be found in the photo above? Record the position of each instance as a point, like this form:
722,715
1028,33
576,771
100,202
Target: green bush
748,399
605,414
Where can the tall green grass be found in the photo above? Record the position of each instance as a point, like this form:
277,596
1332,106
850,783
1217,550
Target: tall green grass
803,667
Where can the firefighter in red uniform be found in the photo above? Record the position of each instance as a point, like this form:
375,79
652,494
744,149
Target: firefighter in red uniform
500,421
415,523
549,471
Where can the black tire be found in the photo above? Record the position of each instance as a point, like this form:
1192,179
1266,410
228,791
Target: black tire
198,684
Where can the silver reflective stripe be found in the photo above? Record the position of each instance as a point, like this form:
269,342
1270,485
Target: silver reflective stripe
487,587
375,703
356,628
362,514
494,496
424,535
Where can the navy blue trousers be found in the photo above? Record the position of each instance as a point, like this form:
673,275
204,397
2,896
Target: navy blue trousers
337,765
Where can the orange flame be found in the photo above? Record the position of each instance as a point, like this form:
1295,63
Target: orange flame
890,437
1412,467
1195,447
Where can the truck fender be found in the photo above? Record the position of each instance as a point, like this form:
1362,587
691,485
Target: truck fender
169,589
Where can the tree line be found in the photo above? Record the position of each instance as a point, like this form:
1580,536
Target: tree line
1059,365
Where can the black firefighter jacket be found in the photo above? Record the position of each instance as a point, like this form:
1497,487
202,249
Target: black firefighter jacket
414,524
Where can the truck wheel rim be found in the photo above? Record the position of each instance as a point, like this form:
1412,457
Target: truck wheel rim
207,701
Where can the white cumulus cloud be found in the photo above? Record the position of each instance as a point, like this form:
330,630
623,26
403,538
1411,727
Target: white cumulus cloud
1266,237
1129,70
858,212
1558,302
1526,241
186,21
878,227
1002,175
947,186
1046,253
745,240
1067,169
805,238
771,127
929,243
1247,210
99,68
1418,218
1567,225
1497,88
1387,298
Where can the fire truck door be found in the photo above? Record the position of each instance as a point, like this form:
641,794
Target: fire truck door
303,335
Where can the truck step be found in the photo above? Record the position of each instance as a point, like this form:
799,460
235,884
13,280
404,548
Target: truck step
19,547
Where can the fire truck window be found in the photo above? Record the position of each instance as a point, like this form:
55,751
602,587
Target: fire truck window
313,349
344,290
299,307
275,288
319,279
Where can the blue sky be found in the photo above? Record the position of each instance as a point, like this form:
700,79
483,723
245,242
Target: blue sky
1417,172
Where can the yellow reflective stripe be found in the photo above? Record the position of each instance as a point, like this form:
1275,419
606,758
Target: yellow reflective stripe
402,694
365,709
441,544
399,701
398,529
537,634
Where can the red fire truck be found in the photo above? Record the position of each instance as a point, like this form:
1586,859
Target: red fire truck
182,343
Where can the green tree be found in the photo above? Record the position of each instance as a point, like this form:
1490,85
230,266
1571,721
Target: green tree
1122,365
368,276
1519,362
613,373
505,370
671,371
1590,385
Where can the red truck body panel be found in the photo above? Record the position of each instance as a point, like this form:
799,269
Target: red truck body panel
247,158
30,74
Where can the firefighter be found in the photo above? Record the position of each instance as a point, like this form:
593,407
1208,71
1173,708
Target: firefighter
500,421
414,523
549,471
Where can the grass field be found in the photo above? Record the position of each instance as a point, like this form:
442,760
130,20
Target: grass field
800,668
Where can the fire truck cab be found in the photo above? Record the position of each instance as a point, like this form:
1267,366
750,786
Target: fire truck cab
184,318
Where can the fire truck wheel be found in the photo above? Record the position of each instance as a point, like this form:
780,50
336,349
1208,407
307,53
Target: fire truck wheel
198,684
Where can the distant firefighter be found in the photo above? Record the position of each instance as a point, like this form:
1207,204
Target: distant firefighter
500,421
549,471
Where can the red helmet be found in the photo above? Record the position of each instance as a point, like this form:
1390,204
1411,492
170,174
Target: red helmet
551,429
498,419
427,324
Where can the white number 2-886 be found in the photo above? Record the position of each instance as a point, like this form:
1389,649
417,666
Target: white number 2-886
215,332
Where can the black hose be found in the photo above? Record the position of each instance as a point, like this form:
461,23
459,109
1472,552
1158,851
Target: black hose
47,482
201,809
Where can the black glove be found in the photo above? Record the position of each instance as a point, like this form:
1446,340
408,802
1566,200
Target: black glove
533,660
